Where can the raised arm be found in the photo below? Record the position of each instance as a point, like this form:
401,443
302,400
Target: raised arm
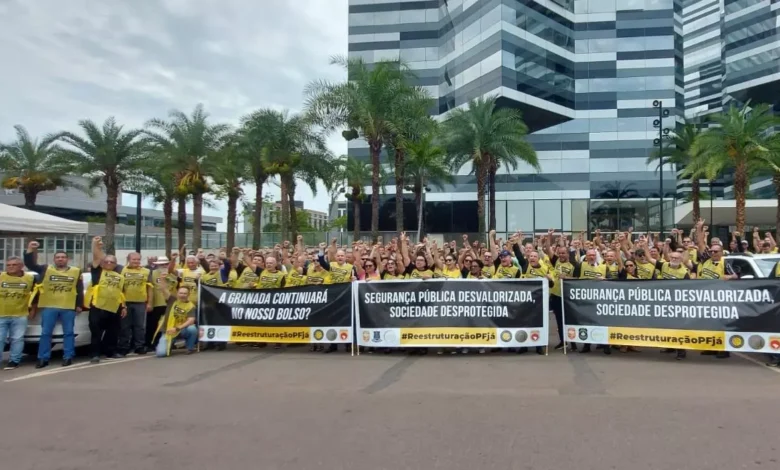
700,238
97,251
31,258
405,250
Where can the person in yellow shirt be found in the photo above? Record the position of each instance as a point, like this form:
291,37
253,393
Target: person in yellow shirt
159,303
60,297
178,321
16,289
107,305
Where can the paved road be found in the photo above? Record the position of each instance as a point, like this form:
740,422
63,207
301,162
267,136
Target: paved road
298,410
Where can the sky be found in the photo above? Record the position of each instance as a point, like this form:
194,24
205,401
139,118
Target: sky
138,59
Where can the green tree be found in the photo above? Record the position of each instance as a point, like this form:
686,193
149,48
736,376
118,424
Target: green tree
740,141
426,164
411,122
355,175
109,156
254,134
228,168
32,166
189,140
679,151
771,166
363,104
158,183
293,151
487,137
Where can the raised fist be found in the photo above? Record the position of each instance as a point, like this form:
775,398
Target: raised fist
300,237
33,245
322,246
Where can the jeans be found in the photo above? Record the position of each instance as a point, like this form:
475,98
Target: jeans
104,327
189,335
132,333
49,317
13,328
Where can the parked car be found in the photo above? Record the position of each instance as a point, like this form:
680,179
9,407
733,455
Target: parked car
750,266
81,328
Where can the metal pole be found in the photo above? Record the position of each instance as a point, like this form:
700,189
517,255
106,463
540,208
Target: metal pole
420,215
661,172
138,222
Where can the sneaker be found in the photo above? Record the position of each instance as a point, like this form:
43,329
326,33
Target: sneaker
667,351
440,352
464,351
680,355
559,347
67,362
11,365
41,364
94,360
116,356
723,355
482,351
607,350
768,364
221,347
540,350
573,347
522,350
140,351
190,351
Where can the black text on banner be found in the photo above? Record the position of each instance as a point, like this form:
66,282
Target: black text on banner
310,314
713,315
452,313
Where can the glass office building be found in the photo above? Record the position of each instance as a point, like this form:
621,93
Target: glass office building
587,75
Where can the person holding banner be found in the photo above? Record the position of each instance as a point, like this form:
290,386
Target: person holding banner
563,268
159,303
217,276
178,321
248,270
593,270
340,272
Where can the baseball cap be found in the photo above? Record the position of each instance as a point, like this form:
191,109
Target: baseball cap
504,253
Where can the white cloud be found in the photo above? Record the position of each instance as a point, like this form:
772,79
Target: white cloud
66,61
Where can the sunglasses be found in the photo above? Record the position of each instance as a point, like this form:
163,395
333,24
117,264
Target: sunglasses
630,266
715,251
449,260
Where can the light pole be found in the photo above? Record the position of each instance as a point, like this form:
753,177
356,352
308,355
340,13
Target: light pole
662,134
137,219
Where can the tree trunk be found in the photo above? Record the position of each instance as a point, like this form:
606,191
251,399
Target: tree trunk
258,213
492,170
232,203
481,176
695,198
168,223
376,148
740,190
356,213
29,199
293,214
112,195
399,191
181,219
197,220
418,189
284,222
776,182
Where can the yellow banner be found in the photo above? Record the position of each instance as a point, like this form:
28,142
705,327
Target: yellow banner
448,336
253,334
662,338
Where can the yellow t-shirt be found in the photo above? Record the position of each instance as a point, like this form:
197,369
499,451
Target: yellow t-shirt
319,277
505,272
341,273
588,271
136,284
15,294
58,288
107,294
270,280
159,299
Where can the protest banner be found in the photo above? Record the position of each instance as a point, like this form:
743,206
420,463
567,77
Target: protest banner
310,314
684,314
452,313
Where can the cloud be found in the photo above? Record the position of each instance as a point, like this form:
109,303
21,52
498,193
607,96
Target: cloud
136,60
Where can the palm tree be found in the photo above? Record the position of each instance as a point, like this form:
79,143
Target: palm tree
739,142
679,152
771,159
189,140
364,105
411,121
356,174
294,150
32,166
109,156
426,163
159,185
254,135
228,168
487,138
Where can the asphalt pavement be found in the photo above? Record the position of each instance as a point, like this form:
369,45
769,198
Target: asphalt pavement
259,408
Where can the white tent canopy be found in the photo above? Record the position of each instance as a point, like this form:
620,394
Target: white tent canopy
17,219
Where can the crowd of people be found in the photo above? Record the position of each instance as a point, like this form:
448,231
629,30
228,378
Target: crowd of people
135,308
